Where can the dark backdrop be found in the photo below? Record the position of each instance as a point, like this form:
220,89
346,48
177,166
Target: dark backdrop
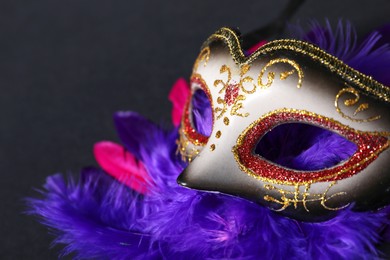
66,66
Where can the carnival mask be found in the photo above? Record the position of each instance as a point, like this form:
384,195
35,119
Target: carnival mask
295,90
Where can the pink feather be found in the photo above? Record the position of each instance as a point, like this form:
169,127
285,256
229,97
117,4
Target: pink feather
178,96
255,47
122,165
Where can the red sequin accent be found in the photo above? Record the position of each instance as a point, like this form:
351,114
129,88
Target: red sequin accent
189,130
231,93
369,147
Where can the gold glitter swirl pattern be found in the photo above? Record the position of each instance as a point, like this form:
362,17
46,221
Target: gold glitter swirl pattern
223,84
186,154
246,79
283,75
296,197
221,110
352,102
355,78
230,92
234,92
204,57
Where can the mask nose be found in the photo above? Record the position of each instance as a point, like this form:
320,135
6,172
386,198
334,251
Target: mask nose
202,173
218,172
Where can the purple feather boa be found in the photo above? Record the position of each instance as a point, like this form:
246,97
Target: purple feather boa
97,217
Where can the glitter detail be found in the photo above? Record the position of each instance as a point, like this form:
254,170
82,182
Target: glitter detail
188,130
370,145
212,147
226,120
246,79
352,102
204,57
287,198
220,111
219,82
218,134
361,108
232,97
187,153
283,75
231,94
234,111
355,78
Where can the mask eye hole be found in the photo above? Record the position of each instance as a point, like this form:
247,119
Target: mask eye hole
201,113
198,118
304,147
256,155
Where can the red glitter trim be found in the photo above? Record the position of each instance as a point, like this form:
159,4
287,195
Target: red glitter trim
369,146
190,132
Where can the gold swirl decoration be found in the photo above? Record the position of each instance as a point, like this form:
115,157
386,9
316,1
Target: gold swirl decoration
356,79
283,75
228,86
352,102
203,56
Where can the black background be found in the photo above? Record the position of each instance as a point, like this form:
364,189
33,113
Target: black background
67,66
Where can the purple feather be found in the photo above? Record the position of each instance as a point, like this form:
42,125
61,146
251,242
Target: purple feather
94,217
97,217
202,113
371,56
133,130
304,147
